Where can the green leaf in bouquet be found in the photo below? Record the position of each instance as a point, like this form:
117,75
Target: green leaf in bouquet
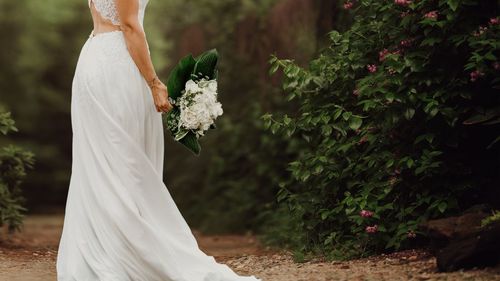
171,120
191,142
206,65
181,134
179,76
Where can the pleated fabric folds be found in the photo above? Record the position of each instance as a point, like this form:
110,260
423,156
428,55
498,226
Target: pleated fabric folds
121,224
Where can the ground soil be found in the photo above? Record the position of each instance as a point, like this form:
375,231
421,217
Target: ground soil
30,255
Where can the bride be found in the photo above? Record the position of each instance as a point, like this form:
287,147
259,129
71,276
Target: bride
121,223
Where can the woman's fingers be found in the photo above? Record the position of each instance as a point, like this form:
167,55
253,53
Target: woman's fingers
161,101
169,106
165,107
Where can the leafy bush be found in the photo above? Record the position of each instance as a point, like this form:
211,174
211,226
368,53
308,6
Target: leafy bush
495,216
399,122
13,165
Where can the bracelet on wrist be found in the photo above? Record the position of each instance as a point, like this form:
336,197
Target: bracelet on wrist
154,82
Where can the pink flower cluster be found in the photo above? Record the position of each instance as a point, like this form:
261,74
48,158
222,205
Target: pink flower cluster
371,229
475,75
348,5
411,234
366,214
382,54
482,29
431,15
406,43
371,68
402,2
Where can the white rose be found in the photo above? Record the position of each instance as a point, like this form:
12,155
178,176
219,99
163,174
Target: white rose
212,85
216,110
192,87
188,119
201,98
199,106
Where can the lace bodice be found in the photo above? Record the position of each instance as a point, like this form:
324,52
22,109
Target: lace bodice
107,9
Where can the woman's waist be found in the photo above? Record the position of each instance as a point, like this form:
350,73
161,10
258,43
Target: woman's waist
107,46
113,41
106,33
103,26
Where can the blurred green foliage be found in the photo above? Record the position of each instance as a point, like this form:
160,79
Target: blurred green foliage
14,162
39,48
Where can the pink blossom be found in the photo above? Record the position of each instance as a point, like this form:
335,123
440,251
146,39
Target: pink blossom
363,140
474,75
411,234
371,229
496,65
366,214
371,68
494,21
406,43
348,5
382,54
402,2
482,29
431,15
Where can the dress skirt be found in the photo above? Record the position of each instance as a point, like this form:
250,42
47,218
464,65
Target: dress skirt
121,224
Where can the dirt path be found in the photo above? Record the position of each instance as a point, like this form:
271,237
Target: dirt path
31,255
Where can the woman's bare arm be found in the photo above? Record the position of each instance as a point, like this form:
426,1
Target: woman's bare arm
137,46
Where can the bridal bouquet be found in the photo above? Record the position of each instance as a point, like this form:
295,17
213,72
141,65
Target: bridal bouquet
192,88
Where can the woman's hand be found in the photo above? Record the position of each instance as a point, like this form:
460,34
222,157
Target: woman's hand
160,96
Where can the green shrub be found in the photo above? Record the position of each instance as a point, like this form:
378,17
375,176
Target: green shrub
495,216
399,120
13,165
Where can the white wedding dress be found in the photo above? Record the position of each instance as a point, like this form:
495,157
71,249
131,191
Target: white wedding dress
121,223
